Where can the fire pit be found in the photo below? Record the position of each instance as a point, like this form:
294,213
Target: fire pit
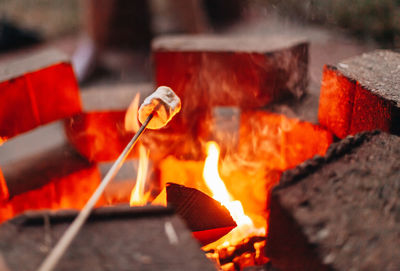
215,165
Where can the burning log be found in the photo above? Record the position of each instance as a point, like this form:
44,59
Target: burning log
35,90
146,238
99,132
361,93
339,212
206,217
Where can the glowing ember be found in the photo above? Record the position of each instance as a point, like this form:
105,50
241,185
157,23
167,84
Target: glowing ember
138,197
131,120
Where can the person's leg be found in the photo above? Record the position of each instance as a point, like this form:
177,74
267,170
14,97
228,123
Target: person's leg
191,15
110,25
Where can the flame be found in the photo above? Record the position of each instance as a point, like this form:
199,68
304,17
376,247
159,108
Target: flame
131,116
217,186
138,197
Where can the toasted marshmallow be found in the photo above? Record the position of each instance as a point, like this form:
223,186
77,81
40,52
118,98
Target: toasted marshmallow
163,103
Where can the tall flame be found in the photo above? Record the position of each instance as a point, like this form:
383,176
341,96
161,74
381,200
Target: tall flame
131,120
138,197
217,186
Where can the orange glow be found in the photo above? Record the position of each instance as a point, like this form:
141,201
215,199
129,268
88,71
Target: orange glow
131,116
138,197
161,199
68,192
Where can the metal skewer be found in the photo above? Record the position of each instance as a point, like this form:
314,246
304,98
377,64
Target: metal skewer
58,251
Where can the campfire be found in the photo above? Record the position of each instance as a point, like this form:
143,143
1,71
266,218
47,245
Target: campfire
233,171
261,134
215,164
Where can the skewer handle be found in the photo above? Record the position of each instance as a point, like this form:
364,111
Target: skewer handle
58,251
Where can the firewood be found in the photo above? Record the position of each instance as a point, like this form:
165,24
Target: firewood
202,214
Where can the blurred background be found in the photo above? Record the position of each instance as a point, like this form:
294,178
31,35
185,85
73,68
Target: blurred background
110,39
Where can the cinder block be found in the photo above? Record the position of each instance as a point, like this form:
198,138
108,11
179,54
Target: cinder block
55,165
340,211
207,71
35,90
69,191
119,237
362,93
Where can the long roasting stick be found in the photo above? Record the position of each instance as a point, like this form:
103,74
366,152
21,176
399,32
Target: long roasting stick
56,253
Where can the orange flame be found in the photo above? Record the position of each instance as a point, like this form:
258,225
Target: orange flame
131,119
217,186
138,197
245,226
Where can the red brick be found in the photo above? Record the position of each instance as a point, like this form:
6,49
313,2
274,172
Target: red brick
35,90
361,94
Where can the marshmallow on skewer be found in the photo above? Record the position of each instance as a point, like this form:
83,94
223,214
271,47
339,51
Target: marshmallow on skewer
163,103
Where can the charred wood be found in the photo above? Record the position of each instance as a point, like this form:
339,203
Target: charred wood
201,213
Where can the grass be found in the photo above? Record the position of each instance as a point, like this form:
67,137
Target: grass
368,19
